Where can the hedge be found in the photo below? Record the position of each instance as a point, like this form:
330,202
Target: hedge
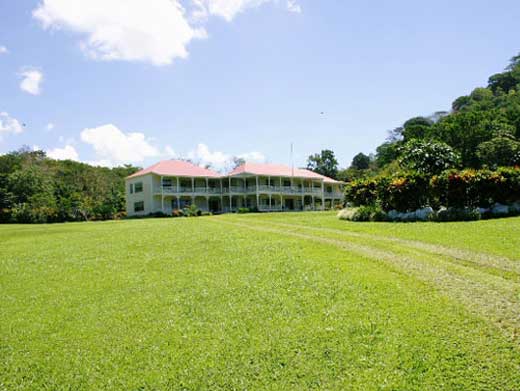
453,189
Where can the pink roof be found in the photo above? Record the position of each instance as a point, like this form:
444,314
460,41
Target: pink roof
177,168
266,169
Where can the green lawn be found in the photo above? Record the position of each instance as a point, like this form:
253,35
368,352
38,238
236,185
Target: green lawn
250,302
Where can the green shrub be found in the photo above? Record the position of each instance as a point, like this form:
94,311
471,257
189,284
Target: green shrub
363,213
406,192
363,191
192,211
457,214
461,192
243,210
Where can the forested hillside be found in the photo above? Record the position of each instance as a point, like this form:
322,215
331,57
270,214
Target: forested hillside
482,130
37,189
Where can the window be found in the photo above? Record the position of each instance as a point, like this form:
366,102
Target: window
138,187
131,188
139,206
167,182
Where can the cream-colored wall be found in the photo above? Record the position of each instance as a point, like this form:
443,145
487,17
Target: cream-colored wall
145,195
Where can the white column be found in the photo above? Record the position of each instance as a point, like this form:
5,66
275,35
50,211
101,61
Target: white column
230,197
178,186
207,185
303,195
257,195
221,196
270,205
192,190
322,196
281,196
162,195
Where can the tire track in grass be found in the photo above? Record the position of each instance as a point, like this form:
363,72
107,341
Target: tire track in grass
481,259
488,296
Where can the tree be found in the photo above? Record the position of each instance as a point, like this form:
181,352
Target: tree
499,151
324,163
35,189
361,161
386,153
465,130
416,127
428,157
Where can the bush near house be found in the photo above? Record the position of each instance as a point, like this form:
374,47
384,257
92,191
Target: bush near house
460,193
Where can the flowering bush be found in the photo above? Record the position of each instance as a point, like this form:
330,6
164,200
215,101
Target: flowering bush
405,193
452,189
364,191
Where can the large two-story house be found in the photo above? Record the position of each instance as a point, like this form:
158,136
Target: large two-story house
175,184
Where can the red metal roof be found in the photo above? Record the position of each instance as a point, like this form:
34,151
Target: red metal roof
177,168
266,169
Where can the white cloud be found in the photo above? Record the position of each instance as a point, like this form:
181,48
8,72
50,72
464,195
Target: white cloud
66,153
257,157
113,146
31,81
228,9
3,50
50,126
156,31
134,30
9,125
293,6
218,160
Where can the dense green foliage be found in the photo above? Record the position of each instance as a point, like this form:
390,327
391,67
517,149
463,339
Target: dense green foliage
36,189
260,302
481,131
427,157
459,189
451,159
324,163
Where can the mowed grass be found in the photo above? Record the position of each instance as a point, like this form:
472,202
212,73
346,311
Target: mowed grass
275,302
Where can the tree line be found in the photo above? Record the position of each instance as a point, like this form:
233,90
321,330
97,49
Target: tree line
482,130
37,189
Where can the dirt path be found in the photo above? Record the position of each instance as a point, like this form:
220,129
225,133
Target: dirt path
493,297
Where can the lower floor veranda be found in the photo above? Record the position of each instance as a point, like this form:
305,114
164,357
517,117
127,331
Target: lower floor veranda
232,203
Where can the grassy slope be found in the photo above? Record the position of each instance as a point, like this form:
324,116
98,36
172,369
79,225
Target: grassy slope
499,236
209,304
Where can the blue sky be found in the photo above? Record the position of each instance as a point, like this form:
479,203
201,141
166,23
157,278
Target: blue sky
129,81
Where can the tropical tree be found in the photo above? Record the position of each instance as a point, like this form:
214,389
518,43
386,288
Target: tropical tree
361,161
428,157
499,151
324,163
